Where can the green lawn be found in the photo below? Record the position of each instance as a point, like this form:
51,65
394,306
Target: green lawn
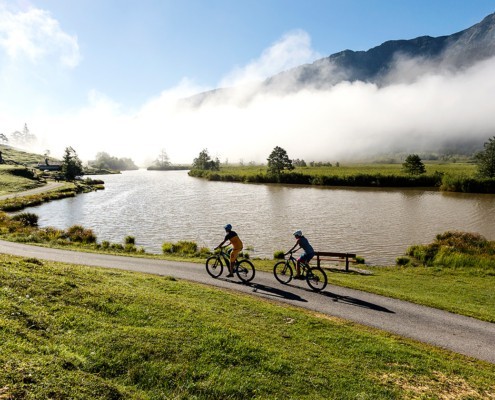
351,169
78,332
13,179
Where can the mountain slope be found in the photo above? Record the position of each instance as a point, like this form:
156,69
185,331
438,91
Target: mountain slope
452,52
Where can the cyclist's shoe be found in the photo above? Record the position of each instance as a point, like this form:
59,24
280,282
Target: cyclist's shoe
230,275
298,277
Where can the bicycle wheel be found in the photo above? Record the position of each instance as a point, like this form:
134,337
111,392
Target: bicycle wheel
214,266
283,272
245,271
316,279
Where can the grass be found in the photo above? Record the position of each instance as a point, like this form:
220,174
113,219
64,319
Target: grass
13,179
352,169
453,177
77,332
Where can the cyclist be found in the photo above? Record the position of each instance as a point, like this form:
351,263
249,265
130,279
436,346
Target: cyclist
305,257
236,243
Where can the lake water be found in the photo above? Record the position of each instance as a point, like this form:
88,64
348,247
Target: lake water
378,224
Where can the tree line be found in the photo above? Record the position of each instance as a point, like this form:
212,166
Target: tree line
278,161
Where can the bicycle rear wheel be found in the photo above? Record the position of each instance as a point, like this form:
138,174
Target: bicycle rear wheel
245,271
214,266
283,272
316,279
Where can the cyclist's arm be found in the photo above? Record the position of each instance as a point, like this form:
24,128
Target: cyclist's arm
293,249
220,245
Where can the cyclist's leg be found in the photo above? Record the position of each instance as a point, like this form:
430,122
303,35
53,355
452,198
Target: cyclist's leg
233,256
300,260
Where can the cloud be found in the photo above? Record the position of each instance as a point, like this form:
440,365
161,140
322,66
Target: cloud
35,36
293,49
420,108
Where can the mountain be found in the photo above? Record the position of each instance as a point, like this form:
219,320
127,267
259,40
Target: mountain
459,50
453,52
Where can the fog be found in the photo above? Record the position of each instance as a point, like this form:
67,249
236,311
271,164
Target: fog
420,107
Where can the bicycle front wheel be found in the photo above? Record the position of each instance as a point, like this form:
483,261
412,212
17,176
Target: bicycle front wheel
245,271
283,272
316,279
214,266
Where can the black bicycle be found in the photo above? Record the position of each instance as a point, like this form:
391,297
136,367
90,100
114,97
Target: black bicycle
315,277
243,268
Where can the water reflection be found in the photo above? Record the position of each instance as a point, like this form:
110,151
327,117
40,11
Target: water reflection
169,206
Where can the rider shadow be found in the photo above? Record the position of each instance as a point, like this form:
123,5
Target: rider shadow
271,291
356,302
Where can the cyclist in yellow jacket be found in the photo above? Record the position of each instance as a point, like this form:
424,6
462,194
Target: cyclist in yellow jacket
237,246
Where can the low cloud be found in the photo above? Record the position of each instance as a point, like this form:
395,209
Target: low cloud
420,108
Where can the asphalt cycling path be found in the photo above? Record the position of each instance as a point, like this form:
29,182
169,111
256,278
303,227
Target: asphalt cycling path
457,333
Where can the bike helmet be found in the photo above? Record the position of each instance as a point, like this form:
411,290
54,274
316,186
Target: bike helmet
228,227
297,233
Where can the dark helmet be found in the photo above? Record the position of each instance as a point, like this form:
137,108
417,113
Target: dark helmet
228,227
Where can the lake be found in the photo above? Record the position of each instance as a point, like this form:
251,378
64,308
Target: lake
377,224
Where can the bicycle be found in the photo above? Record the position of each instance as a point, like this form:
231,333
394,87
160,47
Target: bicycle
243,268
315,277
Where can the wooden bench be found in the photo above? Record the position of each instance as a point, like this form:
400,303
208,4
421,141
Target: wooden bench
333,256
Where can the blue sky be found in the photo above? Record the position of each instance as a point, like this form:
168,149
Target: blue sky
63,63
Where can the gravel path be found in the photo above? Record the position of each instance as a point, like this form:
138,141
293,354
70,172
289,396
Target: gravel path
46,188
457,333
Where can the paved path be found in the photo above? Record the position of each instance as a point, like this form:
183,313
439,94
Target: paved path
45,188
457,333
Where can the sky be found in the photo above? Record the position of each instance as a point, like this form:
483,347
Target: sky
106,75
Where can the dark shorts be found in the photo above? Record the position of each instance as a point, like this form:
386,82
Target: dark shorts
306,258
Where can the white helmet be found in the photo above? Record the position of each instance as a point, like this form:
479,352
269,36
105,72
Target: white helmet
297,233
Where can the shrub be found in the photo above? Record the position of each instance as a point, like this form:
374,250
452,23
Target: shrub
182,247
403,260
77,233
26,219
167,247
130,240
456,249
278,255
130,248
105,244
360,260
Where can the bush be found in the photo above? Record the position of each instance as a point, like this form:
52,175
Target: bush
130,240
77,233
182,247
402,261
278,255
455,249
167,247
26,219
360,260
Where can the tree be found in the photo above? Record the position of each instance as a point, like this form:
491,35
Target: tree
278,161
23,138
204,162
71,164
163,161
485,159
414,165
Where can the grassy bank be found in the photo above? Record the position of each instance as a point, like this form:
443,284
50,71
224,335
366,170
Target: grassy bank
16,179
69,189
460,177
78,332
